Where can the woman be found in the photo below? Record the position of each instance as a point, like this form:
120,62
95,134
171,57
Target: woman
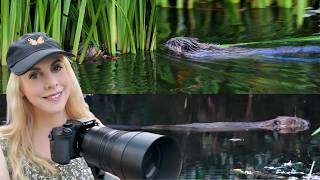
42,93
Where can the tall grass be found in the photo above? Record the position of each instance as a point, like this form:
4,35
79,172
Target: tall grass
163,3
91,31
261,3
65,14
285,3
111,10
126,9
79,26
115,26
301,5
4,29
55,6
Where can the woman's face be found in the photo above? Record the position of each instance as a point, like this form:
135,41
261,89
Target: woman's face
47,85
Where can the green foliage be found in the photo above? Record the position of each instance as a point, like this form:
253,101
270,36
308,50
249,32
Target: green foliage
111,23
5,29
253,4
79,26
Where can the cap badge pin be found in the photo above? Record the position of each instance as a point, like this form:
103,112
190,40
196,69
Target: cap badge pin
33,42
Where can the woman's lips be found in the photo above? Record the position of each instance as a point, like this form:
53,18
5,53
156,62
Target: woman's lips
54,97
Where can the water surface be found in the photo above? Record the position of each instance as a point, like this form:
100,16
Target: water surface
214,155
159,72
291,73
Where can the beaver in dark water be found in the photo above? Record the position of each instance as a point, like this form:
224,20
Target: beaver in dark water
190,47
280,124
93,52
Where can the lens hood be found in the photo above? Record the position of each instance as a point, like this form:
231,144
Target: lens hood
132,155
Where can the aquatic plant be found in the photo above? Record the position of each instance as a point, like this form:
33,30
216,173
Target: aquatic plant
112,25
245,3
316,132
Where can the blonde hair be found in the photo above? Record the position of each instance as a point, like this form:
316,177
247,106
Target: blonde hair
19,126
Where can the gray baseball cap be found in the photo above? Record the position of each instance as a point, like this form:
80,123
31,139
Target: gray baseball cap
30,49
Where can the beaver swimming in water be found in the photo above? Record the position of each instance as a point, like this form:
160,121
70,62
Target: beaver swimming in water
190,47
280,124
93,52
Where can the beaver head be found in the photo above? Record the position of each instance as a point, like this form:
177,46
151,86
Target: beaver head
182,44
286,124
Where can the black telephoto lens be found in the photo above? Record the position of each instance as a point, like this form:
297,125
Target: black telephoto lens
152,162
132,155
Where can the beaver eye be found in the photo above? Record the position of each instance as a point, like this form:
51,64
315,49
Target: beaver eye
276,122
185,48
189,47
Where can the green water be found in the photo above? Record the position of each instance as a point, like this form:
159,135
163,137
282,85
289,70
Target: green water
159,72
238,75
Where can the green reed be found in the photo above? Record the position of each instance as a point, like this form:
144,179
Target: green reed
79,26
261,3
91,31
316,132
4,29
116,26
163,3
300,10
285,3
65,14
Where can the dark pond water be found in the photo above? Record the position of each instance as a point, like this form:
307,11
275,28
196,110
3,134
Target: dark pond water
214,155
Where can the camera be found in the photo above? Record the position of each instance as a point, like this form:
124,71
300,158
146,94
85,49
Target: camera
129,155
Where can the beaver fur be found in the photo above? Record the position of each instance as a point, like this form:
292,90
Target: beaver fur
280,124
190,47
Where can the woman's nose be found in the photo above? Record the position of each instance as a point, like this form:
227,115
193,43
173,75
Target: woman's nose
50,81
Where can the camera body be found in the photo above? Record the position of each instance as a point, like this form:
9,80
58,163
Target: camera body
129,155
65,141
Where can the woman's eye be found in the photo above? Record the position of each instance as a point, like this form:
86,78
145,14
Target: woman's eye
33,75
57,68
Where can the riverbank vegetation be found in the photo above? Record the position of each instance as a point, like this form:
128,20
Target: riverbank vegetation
242,3
115,26
238,15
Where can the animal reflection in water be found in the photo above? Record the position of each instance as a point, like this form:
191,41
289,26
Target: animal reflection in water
191,48
280,124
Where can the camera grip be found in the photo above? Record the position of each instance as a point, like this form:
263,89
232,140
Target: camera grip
60,138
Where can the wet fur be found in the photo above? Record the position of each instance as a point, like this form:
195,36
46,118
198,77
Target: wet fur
281,124
190,47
